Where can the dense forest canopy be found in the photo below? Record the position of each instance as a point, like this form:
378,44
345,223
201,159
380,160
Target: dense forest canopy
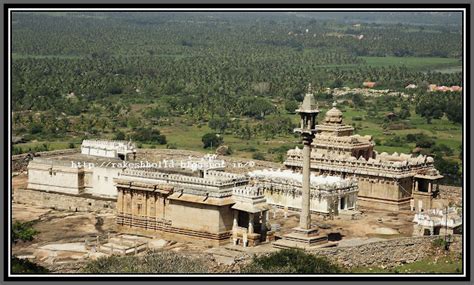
191,54
122,74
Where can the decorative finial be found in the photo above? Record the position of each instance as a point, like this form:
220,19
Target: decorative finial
334,104
310,90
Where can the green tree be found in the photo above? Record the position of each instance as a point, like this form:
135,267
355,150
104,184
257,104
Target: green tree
149,135
358,100
119,136
291,106
219,124
454,110
211,140
404,111
428,108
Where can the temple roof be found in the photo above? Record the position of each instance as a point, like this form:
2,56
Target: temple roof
333,116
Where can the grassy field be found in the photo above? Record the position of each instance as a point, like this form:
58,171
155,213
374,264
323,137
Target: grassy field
417,63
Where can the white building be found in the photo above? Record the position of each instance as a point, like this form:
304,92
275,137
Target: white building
112,149
437,222
329,194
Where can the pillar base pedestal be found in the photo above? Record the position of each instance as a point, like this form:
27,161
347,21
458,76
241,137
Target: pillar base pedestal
306,239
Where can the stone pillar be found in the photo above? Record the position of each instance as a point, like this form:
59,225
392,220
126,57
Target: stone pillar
430,187
305,216
244,240
416,185
264,222
120,201
236,219
251,217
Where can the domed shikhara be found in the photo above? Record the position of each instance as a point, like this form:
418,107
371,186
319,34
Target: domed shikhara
333,116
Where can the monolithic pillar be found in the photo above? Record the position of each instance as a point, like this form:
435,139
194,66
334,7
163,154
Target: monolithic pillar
305,217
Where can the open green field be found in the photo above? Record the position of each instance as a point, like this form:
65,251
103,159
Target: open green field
417,63
423,64
23,56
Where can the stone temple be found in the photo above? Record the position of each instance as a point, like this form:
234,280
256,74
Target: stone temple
390,182
193,200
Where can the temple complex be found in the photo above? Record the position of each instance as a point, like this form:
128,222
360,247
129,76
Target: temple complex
197,200
393,182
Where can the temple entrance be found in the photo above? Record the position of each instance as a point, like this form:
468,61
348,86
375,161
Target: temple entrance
249,228
342,203
243,220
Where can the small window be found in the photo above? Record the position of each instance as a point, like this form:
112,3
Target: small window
106,178
139,209
98,177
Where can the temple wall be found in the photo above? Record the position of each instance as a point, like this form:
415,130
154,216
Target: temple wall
57,179
62,201
406,187
153,214
65,178
100,181
200,217
319,205
98,152
226,218
20,161
380,188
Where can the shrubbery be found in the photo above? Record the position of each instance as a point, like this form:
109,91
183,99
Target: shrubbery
23,231
258,156
26,266
290,261
151,262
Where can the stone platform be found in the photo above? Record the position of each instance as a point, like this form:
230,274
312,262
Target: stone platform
306,239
